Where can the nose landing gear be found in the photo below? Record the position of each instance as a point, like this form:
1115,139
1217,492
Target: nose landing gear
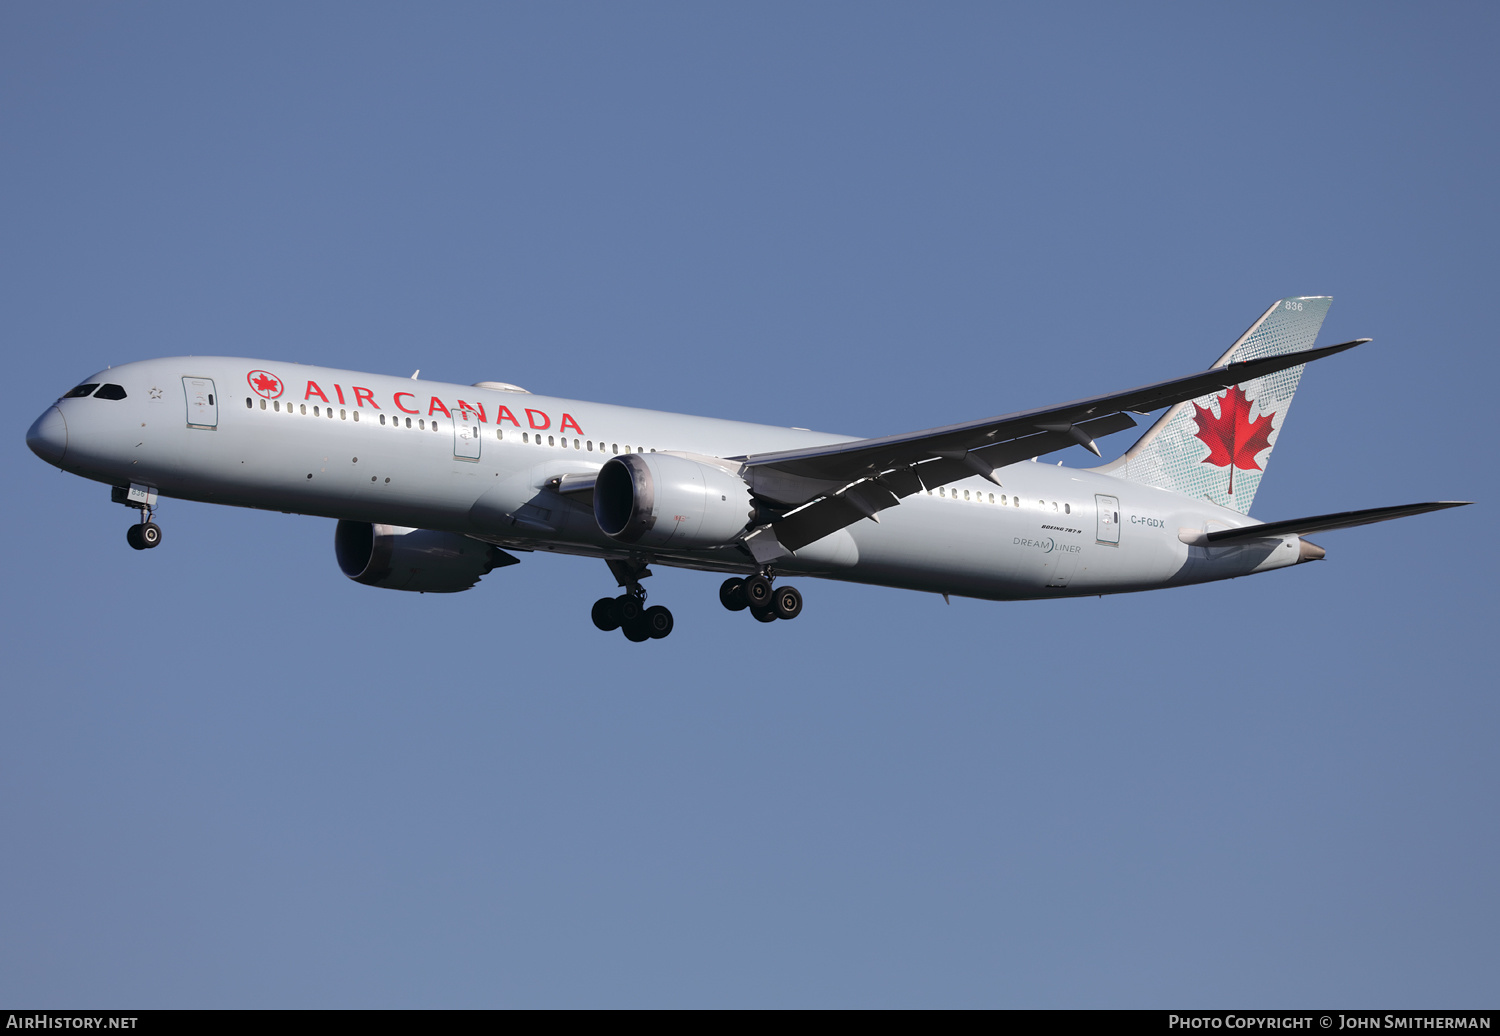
766,603
143,499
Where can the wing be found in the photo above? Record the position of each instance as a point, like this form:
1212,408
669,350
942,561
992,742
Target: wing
825,488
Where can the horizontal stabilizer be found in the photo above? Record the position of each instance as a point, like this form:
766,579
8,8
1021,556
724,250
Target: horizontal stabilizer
1324,522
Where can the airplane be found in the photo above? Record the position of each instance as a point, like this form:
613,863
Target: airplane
434,485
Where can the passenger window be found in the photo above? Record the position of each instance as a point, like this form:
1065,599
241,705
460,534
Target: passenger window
942,492
276,406
992,498
526,437
408,422
356,416
304,409
249,403
315,412
591,445
550,441
575,444
83,390
421,424
382,419
262,403
1067,508
500,433
1054,505
616,447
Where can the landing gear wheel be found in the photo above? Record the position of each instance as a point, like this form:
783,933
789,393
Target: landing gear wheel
786,602
133,537
658,621
732,595
606,614
757,592
763,614
629,608
636,631
150,534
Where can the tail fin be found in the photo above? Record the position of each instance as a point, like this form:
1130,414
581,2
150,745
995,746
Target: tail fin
1216,447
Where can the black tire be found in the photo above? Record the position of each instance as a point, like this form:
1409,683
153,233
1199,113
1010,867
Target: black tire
636,631
628,608
786,602
606,614
758,592
732,595
658,621
151,534
133,537
763,614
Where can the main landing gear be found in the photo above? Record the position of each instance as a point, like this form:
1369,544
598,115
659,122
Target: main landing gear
628,612
765,602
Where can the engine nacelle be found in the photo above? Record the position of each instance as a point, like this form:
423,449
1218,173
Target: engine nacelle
397,558
660,500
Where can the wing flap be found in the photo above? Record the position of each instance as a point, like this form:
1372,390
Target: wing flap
865,499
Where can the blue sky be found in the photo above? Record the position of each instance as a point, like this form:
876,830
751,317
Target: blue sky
231,777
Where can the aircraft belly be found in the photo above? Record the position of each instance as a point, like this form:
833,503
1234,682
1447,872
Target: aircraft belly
940,546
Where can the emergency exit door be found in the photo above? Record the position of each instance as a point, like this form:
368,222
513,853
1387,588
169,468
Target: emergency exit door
465,436
1109,519
202,403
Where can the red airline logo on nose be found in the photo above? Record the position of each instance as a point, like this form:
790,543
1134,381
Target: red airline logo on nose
265,383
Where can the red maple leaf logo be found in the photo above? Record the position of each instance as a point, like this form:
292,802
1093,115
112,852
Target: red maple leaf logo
1233,439
265,383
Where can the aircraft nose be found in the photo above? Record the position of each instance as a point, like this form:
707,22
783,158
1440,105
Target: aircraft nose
48,436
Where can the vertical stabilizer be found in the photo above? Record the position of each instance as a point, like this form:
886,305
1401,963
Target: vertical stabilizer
1216,447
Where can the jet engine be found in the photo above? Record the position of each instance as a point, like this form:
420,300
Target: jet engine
397,558
663,500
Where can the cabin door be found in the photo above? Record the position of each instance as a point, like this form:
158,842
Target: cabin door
202,403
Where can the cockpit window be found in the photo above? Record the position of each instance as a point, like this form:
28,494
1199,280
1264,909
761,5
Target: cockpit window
110,392
81,390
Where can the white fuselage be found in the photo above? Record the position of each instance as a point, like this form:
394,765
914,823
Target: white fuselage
475,461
